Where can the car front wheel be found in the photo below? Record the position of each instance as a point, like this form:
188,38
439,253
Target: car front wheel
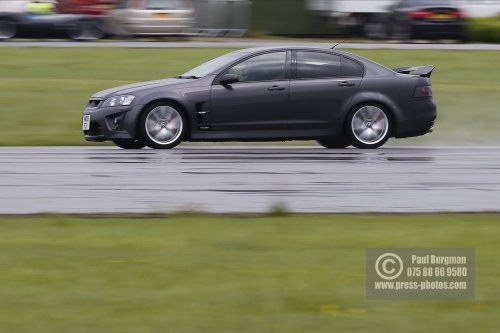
8,29
162,126
369,126
86,30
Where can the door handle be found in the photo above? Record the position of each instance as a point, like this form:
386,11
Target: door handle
346,84
276,88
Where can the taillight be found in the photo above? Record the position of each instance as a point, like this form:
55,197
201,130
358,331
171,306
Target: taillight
459,14
423,91
419,14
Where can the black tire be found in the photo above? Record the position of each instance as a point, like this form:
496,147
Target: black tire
136,144
162,125
86,30
8,29
369,126
334,142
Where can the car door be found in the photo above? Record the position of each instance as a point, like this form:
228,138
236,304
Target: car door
118,16
260,98
39,24
322,85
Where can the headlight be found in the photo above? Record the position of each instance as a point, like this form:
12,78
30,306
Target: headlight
123,100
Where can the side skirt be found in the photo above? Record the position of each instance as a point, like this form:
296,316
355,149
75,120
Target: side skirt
279,135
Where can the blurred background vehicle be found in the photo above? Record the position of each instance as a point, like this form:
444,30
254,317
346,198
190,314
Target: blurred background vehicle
372,19
402,19
426,19
152,17
24,18
85,7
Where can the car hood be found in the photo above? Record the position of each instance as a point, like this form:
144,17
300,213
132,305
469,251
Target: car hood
135,88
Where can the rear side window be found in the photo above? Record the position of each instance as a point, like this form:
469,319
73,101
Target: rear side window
312,65
352,68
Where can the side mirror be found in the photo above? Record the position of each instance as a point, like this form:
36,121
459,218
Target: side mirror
227,79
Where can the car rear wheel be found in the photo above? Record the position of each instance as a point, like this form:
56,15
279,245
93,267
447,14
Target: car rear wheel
137,144
8,29
86,30
334,142
369,126
162,126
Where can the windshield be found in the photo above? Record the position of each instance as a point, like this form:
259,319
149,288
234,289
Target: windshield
213,65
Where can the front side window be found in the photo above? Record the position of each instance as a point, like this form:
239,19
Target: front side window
264,67
313,65
213,65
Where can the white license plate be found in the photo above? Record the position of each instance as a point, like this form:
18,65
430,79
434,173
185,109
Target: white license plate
86,122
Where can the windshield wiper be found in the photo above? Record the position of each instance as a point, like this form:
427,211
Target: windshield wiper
190,77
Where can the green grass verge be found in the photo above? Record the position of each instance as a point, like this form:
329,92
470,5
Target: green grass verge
43,91
484,29
227,274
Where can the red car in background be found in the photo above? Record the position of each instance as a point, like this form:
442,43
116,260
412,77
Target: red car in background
85,7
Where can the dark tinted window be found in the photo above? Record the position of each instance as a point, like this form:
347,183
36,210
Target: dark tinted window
312,65
352,68
264,67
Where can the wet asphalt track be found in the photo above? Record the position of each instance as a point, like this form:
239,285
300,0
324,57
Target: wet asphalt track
248,179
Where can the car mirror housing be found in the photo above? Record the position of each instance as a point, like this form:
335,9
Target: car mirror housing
227,79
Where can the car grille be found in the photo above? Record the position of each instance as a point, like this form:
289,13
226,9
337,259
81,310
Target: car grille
94,130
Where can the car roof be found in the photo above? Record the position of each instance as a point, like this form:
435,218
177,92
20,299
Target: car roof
283,47
298,47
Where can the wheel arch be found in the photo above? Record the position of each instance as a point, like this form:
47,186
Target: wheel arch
375,99
13,20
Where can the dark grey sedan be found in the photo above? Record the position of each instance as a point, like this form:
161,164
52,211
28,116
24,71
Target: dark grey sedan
269,94
412,19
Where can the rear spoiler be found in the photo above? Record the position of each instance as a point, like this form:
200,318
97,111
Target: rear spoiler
423,71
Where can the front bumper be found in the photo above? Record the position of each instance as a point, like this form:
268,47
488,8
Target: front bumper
112,123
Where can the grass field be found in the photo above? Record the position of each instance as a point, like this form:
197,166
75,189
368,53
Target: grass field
43,91
226,274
